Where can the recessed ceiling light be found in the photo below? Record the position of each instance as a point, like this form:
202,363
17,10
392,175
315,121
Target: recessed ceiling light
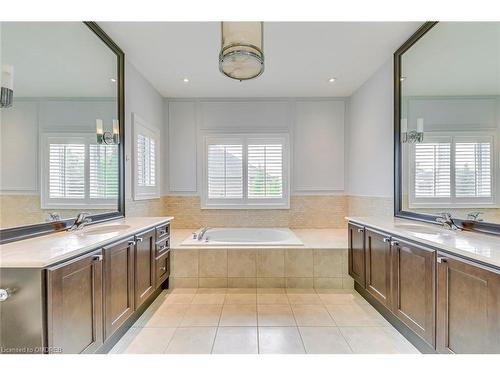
112,80
331,80
186,80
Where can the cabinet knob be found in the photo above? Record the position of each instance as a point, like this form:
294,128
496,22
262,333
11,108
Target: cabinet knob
441,260
131,243
387,239
5,294
163,268
98,258
360,230
394,243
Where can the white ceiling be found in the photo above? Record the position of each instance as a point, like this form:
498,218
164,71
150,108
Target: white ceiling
300,57
57,59
454,58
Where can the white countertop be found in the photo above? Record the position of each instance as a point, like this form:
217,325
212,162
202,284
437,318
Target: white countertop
40,252
312,239
473,245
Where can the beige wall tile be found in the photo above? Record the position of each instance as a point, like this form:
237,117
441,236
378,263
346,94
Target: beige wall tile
241,282
347,282
185,263
212,282
183,282
299,282
270,263
327,263
242,263
299,263
213,263
328,283
270,282
370,206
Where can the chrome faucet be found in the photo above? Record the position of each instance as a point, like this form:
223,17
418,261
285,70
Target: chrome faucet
447,221
201,233
474,216
81,220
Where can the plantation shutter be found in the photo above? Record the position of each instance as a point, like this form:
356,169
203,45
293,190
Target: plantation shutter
473,169
432,170
67,171
265,171
103,175
225,171
146,161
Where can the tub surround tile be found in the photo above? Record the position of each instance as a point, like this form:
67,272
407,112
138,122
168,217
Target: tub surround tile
183,282
212,282
327,263
270,263
185,263
242,263
242,282
299,263
271,282
328,283
299,282
212,263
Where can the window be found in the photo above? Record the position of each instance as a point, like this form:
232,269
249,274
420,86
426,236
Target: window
146,151
76,172
453,170
246,171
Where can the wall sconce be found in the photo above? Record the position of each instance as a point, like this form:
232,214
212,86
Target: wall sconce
108,138
412,136
7,86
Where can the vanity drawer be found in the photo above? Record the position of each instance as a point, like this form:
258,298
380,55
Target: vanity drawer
162,246
162,268
162,231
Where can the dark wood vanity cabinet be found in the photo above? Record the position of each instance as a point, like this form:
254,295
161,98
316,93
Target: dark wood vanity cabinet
378,265
119,286
468,307
356,253
413,286
145,249
75,305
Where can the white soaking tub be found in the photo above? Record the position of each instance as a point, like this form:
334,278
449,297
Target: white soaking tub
239,237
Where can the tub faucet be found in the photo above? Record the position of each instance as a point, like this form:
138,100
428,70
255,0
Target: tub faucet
447,221
201,233
80,221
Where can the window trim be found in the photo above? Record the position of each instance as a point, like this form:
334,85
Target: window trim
139,125
246,203
453,201
53,203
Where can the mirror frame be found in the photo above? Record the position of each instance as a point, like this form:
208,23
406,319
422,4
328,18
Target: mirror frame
477,226
34,230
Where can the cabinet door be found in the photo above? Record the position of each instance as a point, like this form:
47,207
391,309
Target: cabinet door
144,266
74,305
162,268
468,307
378,265
357,253
413,271
118,284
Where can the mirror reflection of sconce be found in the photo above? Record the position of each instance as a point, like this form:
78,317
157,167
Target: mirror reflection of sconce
7,86
108,138
412,136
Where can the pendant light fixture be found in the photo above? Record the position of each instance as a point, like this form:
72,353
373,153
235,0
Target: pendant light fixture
241,56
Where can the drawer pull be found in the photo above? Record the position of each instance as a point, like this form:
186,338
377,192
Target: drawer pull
441,260
360,230
163,268
387,239
162,247
98,258
394,243
139,239
131,243
162,232
5,294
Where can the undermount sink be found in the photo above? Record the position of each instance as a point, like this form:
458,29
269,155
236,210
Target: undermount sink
106,229
416,228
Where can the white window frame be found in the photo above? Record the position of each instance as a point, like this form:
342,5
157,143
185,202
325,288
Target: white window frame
245,202
453,201
140,126
60,203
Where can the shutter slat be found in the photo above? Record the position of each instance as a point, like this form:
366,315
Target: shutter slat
225,171
265,171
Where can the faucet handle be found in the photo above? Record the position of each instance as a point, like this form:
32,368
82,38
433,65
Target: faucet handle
474,216
445,215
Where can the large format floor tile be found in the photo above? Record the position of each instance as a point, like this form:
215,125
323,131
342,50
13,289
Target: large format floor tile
280,340
263,320
236,340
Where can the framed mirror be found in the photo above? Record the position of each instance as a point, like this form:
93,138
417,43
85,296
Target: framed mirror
447,124
61,127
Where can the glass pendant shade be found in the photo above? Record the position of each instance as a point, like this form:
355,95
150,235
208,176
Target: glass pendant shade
241,56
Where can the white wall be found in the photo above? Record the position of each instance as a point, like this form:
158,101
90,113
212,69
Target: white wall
143,99
316,129
369,167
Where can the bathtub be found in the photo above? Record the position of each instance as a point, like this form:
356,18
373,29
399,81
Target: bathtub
240,237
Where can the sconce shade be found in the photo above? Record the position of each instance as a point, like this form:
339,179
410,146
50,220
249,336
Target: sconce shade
241,56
